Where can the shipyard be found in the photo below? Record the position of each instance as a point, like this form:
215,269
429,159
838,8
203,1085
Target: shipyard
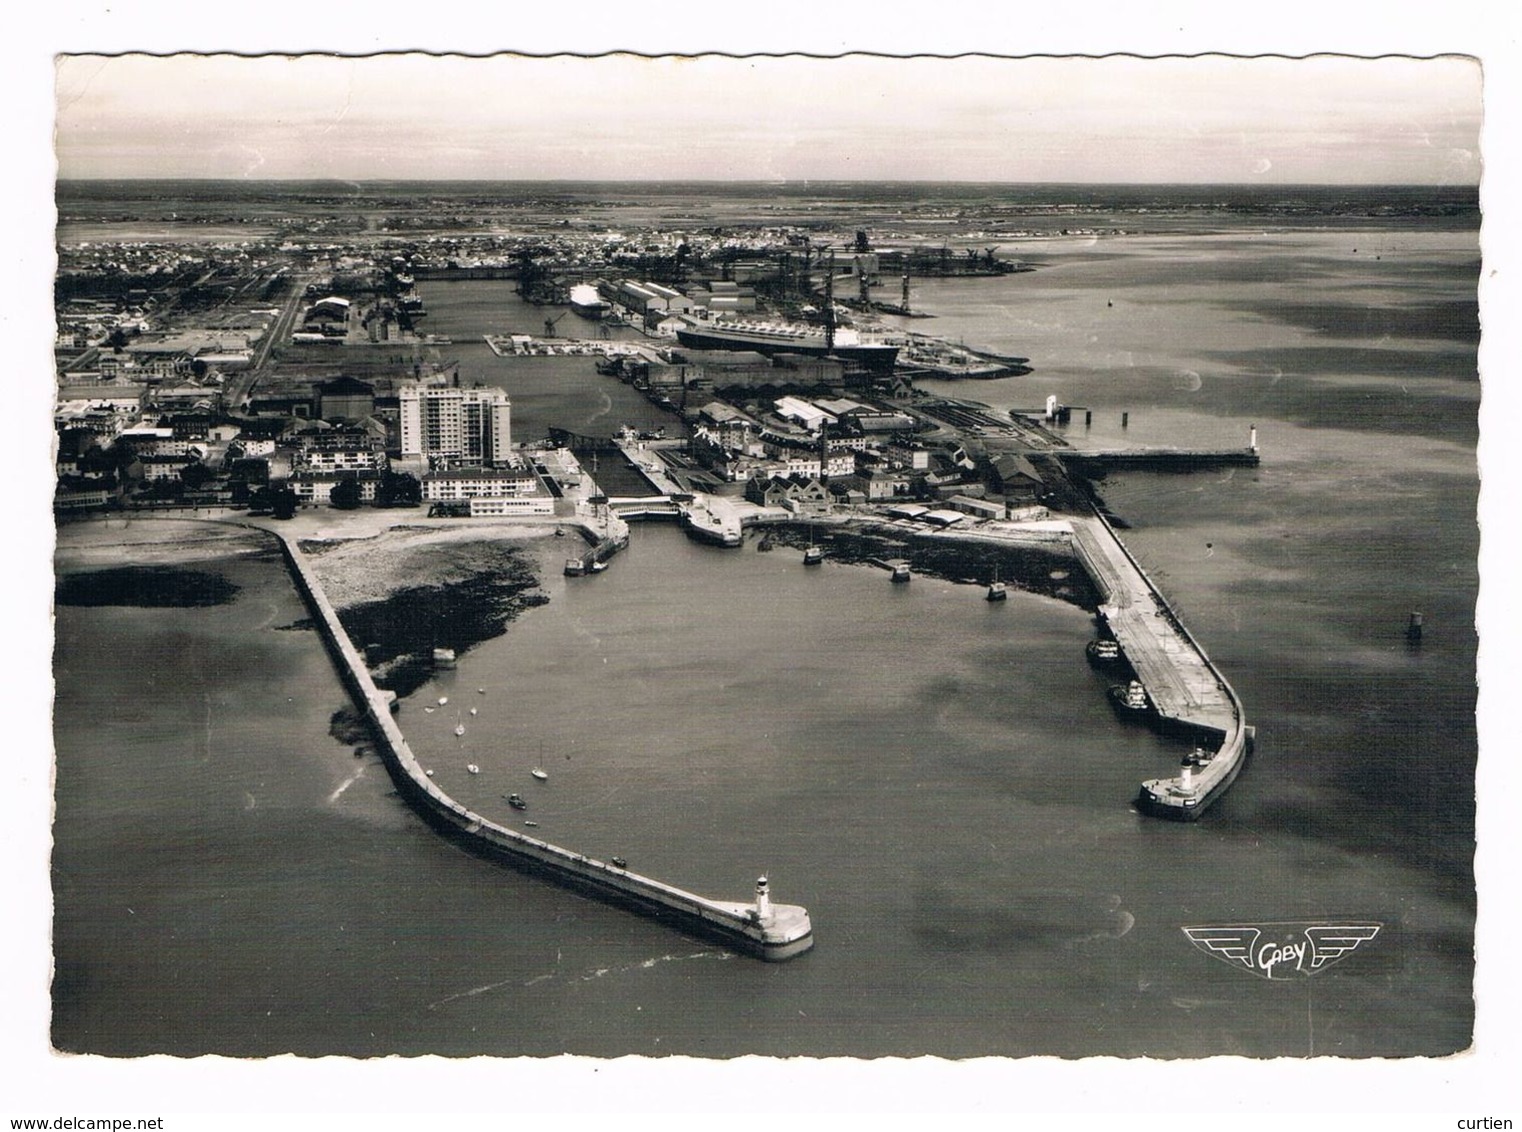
712,618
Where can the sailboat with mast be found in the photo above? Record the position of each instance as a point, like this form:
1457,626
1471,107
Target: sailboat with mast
813,554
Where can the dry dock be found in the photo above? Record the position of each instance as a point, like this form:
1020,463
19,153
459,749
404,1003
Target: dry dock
760,928
1187,692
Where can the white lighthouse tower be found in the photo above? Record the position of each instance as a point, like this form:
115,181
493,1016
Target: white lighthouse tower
763,900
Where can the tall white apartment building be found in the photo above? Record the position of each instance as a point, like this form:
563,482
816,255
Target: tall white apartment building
466,426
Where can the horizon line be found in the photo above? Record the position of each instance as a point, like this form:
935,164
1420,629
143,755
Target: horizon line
760,181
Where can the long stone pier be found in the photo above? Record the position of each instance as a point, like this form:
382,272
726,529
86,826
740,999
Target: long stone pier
1092,462
760,928
1187,691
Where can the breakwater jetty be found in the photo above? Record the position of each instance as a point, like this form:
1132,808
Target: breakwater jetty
1095,463
1186,693
759,928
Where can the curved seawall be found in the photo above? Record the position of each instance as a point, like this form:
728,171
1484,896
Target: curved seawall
760,928
1185,689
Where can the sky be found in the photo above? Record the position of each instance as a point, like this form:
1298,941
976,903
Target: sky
1327,119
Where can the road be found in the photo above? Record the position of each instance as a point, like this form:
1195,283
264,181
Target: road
237,391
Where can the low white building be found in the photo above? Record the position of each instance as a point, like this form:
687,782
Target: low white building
342,459
156,468
526,505
943,517
809,415
463,484
317,487
81,496
979,508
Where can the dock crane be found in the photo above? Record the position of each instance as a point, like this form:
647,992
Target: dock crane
549,324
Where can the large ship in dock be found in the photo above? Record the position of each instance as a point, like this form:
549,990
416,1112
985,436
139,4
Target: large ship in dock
846,343
588,303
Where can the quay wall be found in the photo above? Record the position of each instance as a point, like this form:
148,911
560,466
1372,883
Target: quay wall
1179,798
1158,459
786,931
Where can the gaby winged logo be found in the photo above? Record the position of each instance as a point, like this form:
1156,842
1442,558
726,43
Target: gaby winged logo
1283,950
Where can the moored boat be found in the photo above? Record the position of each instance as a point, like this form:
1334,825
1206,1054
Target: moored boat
997,591
1103,651
813,555
540,773
574,568
873,356
901,573
1130,697
588,303
516,802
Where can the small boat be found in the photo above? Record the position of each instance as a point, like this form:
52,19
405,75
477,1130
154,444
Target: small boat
813,554
560,532
516,802
599,567
531,824
443,700
618,862
473,768
1199,757
540,773
996,590
443,658
1103,651
429,773
430,710
459,729
574,568
901,573
473,711
481,691
1130,697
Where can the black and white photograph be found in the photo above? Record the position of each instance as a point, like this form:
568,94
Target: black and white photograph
571,556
